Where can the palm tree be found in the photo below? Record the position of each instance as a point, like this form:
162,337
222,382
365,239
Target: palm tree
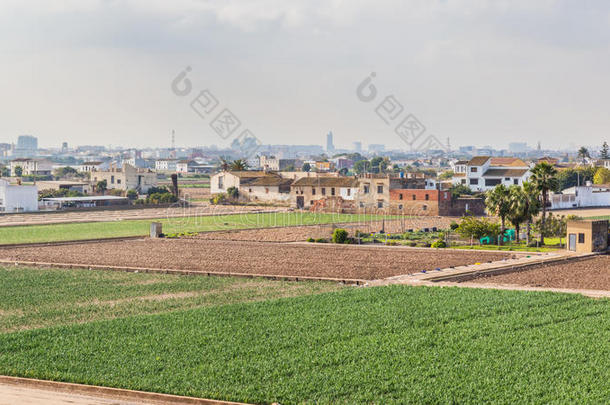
517,212
498,203
583,153
224,164
544,179
239,165
532,206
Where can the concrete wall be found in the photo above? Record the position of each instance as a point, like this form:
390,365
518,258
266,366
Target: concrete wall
16,198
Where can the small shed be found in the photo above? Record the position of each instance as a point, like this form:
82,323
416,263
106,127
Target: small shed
587,236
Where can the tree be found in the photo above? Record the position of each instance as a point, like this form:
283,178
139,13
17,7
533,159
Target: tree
239,165
233,192
532,207
361,166
306,167
544,179
132,194
101,186
602,176
517,212
5,172
378,164
497,202
18,171
459,189
446,175
583,154
476,228
604,152
224,164
66,172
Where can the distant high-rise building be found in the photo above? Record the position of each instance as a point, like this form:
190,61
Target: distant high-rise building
64,146
27,146
330,146
376,148
518,147
358,147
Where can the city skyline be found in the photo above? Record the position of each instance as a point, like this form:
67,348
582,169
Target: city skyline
100,72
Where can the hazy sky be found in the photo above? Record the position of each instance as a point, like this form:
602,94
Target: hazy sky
479,72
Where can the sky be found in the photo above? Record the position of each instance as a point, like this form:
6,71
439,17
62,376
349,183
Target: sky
476,72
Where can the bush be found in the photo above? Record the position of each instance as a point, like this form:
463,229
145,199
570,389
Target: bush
218,199
439,244
132,194
454,225
339,235
233,192
311,239
391,243
412,244
321,240
425,244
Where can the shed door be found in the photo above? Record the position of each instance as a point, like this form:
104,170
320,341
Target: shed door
572,242
300,202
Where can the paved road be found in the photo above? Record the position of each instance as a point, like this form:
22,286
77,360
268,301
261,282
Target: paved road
16,395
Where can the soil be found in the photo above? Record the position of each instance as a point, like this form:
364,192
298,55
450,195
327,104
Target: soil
313,260
589,274
302,233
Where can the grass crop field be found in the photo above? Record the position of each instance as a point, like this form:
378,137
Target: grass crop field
357,345
196,223
35,298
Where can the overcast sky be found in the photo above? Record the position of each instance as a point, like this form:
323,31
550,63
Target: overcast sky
478,72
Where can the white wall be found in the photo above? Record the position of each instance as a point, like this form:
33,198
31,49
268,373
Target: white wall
18,198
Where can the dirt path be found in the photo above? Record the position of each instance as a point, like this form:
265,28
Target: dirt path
13,395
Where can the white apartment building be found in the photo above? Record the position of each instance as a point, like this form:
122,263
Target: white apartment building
17,198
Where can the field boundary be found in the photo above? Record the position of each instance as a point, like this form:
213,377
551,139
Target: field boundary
110,393
510,268
349,281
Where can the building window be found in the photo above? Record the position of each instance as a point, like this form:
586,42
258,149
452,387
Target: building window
221,182
380,204
311,202
414,197
118,181
463,181
516,181
349,192
474,182
400,196
380,189
507,179
492,182
332,191
323,191
111,179
313,191
581,238
424,207
427,197
473,170
361,205
400,206
366,189
249,190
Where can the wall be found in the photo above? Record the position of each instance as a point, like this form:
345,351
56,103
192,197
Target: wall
18,198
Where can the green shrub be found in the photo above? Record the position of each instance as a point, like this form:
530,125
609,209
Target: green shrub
391,243
321,240
454,225
439,244
339,235
310,239
412,244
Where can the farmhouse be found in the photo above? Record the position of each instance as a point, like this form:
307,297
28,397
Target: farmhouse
126,178
581,196
17,198
307,190
484,172
30,167
80,186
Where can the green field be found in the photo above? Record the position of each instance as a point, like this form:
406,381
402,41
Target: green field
357,345
34,298
194,223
